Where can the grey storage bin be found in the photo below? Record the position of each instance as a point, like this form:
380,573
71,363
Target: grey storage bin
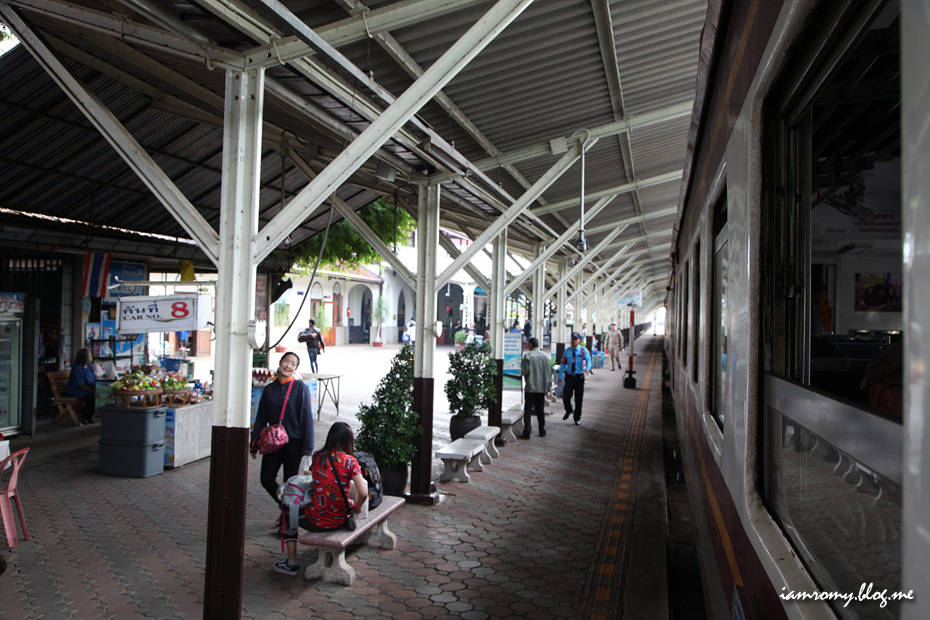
128,425
132,460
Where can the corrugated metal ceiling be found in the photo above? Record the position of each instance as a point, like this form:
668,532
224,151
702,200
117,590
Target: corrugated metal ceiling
563,66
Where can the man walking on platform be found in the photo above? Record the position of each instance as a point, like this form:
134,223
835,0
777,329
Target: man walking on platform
313,337
537,372
614,345
575,363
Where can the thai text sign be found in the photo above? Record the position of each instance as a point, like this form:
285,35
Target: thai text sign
140,314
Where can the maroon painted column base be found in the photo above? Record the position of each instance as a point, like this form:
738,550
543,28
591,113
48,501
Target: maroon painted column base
229,468
422,488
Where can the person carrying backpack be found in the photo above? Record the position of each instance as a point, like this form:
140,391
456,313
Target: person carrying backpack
575,364
313,338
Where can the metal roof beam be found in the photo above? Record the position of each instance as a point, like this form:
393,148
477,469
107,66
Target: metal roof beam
545,149
626,188
384,127
118,137
511,214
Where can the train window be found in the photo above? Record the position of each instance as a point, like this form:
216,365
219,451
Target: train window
719,352
831,287
682,349
696,308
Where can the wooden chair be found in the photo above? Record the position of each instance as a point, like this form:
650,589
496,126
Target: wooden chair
67,405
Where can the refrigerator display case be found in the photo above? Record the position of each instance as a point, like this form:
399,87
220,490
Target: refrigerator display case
10,368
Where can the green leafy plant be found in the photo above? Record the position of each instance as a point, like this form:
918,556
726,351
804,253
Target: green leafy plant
345,248
321,318
460,336
390,426
471,388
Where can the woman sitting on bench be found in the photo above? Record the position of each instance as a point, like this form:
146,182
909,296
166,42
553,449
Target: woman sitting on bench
328,510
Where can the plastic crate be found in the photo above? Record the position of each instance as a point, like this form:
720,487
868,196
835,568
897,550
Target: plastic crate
130,460
136,426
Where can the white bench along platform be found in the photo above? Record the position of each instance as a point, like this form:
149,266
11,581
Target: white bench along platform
331,562
511,423
486,434
459,456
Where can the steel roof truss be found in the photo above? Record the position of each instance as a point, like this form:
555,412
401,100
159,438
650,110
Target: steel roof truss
118,137
384,127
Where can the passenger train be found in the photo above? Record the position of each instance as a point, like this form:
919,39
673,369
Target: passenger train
796,309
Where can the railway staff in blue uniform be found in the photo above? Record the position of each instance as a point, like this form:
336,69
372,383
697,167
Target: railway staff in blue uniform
575,363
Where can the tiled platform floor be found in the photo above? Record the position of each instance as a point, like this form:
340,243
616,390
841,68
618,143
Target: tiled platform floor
566,526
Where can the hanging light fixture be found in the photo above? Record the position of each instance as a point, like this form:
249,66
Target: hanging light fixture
581,243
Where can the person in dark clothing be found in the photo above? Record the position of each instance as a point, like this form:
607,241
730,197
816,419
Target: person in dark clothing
82,384
313,338
575,364
290,394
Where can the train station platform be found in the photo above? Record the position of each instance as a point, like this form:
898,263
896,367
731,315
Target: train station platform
571,525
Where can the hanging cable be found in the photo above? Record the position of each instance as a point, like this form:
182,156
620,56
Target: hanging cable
582,243
312,278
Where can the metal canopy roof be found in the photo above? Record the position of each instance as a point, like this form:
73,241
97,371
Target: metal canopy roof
621,72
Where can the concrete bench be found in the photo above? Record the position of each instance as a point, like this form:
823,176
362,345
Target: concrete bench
331,562
459,456
511,423
486,434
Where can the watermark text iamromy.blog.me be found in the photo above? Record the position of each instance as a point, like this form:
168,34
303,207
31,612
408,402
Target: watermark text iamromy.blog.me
867,592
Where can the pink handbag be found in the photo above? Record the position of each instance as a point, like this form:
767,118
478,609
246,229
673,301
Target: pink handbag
273,437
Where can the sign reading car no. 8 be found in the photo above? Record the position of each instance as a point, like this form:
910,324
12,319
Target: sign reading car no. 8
140,314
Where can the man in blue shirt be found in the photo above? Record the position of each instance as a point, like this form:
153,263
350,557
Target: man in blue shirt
575,363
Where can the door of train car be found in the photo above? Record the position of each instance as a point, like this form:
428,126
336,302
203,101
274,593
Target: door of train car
833,303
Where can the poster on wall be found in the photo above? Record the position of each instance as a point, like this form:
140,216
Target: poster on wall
125,272
878,292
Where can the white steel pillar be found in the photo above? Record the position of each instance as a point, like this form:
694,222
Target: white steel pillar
558,334
498,277
421,487
235,309
539,296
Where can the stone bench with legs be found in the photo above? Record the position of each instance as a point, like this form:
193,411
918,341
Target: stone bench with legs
331,562
511,423
486,434
460,456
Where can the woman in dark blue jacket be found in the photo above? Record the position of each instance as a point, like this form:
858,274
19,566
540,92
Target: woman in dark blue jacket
298,422
82,384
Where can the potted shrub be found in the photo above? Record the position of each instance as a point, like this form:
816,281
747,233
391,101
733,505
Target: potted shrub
471,387
379,311
390,426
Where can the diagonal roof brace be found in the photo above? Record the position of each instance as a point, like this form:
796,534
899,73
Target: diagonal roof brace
514,211
363,229
118,136
383,128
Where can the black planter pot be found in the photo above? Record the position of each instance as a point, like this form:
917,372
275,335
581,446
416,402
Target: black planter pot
394,480
459,427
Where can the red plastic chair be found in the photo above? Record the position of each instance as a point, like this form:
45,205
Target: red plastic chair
8,495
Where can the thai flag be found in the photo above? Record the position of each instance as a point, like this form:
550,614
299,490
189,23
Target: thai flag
96,268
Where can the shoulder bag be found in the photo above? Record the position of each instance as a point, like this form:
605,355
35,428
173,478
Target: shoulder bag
350,516
274,437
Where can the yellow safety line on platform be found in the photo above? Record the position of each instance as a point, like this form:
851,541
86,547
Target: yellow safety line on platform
607,572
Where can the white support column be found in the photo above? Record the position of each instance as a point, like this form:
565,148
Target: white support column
427,247
539,296
558,336
579,314
235,308
421,486
498,307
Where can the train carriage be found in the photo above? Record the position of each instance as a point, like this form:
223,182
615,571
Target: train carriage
796,309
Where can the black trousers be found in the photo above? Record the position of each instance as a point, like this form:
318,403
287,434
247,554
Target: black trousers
574,384
534,403
289,456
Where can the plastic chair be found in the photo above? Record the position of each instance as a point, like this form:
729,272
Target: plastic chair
8,495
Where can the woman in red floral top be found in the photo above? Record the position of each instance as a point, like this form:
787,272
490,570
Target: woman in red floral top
328,510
